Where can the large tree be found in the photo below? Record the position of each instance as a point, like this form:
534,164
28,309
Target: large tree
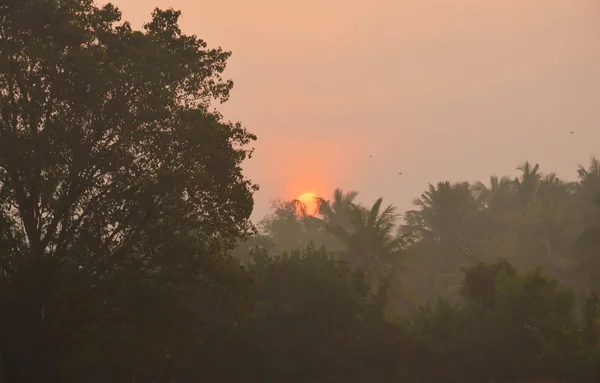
112,164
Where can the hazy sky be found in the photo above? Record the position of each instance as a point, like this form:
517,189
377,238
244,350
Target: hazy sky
436,89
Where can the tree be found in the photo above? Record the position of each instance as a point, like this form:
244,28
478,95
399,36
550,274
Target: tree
112,168
287,227
549,229
445,210
499,195
370,244
499,218
586,192
447,213
588,252
337,212
537,313
531,219
527,185
510,327
316,321
498,201
479,284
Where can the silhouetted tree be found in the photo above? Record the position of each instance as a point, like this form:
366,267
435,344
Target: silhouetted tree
338,211
114,178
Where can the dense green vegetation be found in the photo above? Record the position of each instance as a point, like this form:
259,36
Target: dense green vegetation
127,253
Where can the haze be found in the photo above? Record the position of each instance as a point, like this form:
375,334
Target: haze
429,207
436,89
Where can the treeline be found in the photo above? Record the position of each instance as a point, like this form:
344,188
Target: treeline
480,283
533,220
122,198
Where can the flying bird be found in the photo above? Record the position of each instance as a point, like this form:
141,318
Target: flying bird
571,132
399,173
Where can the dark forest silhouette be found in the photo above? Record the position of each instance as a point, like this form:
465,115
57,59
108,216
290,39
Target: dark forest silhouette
127,253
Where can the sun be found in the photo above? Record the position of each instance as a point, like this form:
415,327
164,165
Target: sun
310,201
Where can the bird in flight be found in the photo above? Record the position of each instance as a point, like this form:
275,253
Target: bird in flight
370,156
399,173
571,132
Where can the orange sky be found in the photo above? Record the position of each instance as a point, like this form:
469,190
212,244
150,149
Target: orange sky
437,89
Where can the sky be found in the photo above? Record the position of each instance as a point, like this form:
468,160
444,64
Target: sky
436,89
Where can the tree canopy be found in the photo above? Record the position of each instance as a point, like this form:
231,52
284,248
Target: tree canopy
113,170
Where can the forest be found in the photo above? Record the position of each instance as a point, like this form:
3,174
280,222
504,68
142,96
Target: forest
127,253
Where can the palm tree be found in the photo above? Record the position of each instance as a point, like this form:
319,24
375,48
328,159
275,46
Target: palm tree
550,231
527,185
444,211
370,244
544,222
588,249
446,214
337,211
586,191
593,169
498,196
497,203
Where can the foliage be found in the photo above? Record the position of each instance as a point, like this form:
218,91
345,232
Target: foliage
500,255
314,319
114,177
523,331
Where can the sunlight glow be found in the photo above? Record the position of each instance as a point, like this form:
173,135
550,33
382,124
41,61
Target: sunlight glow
309,200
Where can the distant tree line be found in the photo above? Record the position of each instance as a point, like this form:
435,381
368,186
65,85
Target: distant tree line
534,220
127,253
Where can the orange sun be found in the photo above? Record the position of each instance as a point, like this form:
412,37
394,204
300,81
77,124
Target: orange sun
310,201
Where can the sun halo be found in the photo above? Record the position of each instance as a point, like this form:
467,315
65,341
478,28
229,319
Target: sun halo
309,200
